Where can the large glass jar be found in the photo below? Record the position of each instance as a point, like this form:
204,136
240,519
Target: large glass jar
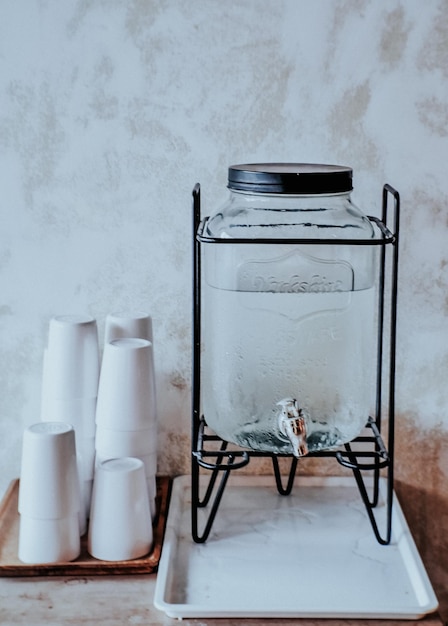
288,310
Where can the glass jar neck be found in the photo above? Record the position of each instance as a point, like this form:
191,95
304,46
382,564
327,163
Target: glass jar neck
237,192
284,202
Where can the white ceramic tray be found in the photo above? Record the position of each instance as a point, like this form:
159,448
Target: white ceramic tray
311,554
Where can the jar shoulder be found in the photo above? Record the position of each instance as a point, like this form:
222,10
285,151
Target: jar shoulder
254,216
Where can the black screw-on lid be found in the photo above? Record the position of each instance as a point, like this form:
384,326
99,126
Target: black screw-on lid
292,178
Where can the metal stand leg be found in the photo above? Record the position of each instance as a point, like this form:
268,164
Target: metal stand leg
284,491
197,503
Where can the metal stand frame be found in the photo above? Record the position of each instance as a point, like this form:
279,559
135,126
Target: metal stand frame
211,453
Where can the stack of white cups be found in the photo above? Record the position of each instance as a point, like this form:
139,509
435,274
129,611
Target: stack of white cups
126,416
70,388
49,499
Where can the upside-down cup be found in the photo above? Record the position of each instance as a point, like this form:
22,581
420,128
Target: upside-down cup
120,517
49,484
116,443
126,392
71,359
128,324
79,412
49,540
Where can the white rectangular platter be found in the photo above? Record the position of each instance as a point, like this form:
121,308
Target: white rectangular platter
312,554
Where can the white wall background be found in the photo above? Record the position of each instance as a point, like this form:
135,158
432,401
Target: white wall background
111,110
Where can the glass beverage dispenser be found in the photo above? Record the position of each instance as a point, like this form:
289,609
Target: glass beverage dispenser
286,314
288,329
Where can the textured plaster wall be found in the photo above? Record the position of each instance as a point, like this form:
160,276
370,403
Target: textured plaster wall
111,110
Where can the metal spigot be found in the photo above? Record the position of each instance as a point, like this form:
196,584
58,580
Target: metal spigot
292,424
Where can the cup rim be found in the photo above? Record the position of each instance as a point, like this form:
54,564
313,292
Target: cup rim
129,315
130,343
45,429
123,464
73,319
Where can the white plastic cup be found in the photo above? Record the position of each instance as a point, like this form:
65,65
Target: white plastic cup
48,540
128,324
49,484
79,412
126,391
140,444
71,360
120,518
150,464
116,443
148,460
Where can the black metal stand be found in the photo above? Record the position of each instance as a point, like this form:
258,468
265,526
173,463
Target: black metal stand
369,455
